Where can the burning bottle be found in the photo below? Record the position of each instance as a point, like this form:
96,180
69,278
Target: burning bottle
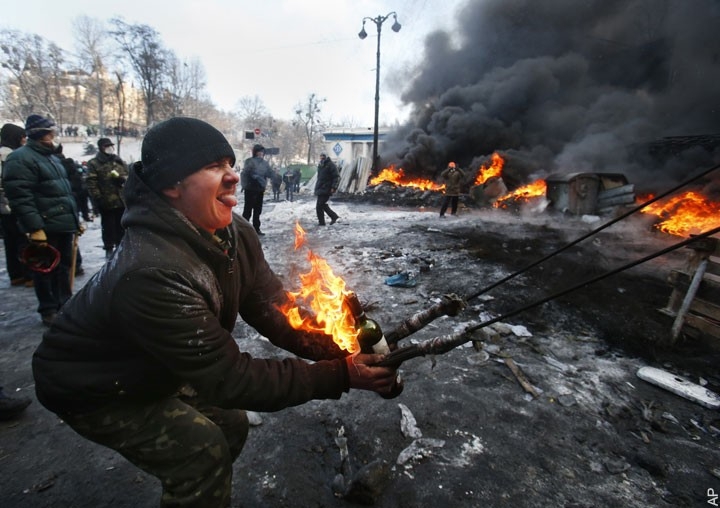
370,337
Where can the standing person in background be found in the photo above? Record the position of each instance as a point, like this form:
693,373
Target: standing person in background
276,181
298,176
253,180
105,179
39,192
289,181
72,174
12,137
79,186
325,186
453,177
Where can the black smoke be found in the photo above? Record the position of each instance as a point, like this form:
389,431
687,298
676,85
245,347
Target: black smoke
561,86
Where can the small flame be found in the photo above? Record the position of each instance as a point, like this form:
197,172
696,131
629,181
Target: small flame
525,193
324,294
397,176
686,214
487,172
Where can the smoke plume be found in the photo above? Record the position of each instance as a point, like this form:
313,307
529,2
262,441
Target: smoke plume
561,86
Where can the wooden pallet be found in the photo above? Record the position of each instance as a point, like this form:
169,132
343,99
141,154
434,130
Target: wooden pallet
695,299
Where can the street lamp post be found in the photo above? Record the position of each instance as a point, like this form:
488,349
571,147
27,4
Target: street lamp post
395,28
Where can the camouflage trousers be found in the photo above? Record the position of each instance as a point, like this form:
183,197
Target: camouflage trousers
190,447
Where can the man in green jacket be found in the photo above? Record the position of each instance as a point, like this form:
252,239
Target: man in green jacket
142,359
41,197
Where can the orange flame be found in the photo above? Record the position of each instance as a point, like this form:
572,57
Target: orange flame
397,176
324,294
686,214
525,193
487,172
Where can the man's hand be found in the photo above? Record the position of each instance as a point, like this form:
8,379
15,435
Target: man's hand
363,376
39,237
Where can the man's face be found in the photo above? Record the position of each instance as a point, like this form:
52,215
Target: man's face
48,139
207,197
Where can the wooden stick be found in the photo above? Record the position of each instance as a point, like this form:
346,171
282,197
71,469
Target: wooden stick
520,376
73,260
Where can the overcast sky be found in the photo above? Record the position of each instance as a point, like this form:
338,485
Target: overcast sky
280,50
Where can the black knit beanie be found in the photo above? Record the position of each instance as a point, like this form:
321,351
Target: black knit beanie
179,147
257,149
37,126
11,135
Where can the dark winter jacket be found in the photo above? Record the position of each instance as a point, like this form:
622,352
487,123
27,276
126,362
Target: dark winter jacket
255,174
328,178
453,181
289,178
160,314
38,189
11,137
105,179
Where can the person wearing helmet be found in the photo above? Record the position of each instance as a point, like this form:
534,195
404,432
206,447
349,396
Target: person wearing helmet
40,195
142,359
453,177
253,180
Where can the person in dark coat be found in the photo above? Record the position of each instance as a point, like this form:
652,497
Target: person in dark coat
105,179
254,177
75,184
142,359
276,182
289,181
12,137
453,177
326,184
40,195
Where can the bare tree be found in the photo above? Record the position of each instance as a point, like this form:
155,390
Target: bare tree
185,86
34,67
91,37
251,110
120,96
308,115
143,48
197,83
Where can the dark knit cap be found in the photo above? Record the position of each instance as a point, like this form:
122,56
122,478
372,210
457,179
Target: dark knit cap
257,149
37,126
179,147
105,142
11,135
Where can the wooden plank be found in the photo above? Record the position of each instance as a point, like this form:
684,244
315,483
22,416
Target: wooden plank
703,308
713,265
680,386
709,290
702,324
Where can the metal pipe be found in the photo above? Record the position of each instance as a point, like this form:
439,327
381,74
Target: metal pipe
689,296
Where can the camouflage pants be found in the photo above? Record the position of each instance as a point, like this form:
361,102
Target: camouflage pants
188,446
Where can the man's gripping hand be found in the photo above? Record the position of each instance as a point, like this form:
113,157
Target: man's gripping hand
39,237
